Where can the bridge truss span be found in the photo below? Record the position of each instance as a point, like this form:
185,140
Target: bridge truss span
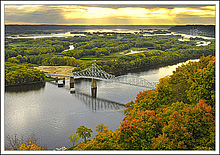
135,81
95,72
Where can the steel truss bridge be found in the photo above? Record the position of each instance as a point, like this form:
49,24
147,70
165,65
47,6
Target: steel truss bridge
95,72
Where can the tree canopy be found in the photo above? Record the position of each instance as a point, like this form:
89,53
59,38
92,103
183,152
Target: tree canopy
22,74
178,115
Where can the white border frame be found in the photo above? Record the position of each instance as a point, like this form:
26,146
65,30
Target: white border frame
3,3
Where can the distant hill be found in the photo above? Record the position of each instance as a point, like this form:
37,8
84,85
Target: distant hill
201,30
35,29
44,29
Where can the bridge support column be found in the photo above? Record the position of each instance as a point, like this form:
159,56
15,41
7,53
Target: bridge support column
94,88
56,79
64,80
71,82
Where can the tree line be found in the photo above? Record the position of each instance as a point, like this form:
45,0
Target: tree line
22,74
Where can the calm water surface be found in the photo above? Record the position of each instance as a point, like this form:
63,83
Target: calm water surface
52,113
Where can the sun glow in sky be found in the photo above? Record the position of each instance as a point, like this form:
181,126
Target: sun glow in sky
104,14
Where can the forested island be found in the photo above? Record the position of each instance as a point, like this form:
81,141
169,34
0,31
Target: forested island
22,74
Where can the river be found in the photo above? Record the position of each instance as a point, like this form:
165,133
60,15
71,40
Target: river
52,113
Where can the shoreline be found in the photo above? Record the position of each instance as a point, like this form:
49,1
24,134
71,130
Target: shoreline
23,84
154,66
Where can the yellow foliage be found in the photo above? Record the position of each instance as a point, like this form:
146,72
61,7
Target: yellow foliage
30,146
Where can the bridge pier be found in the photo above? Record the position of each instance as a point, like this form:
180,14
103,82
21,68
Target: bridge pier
56,79
71,82
72,89
94,88
64,80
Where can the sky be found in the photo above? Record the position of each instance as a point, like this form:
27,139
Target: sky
110,14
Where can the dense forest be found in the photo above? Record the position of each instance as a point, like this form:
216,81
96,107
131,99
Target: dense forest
22,74
178,115
106,50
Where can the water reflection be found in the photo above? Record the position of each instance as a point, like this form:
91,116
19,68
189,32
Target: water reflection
25,88
95,104
98,104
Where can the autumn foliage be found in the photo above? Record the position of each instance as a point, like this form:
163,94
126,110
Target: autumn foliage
178,115
31,146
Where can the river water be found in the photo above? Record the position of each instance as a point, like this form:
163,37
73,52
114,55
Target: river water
52,113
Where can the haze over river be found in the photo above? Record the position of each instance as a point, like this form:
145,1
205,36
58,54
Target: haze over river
52,113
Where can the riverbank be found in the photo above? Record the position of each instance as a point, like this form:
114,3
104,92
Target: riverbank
63,70
24,84
144,67
25,87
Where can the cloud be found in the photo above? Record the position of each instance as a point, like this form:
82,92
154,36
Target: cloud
211,7
23,8
190,11
39,14
110,14
196,19
146,6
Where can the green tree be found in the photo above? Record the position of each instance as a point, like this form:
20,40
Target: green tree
84,132
100,127
203,82
73,138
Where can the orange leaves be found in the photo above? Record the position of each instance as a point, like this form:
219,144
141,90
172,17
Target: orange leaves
80,146
137,132
17,143
204,106
183,128
141,95
187,134
126,126
187,127
30,146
